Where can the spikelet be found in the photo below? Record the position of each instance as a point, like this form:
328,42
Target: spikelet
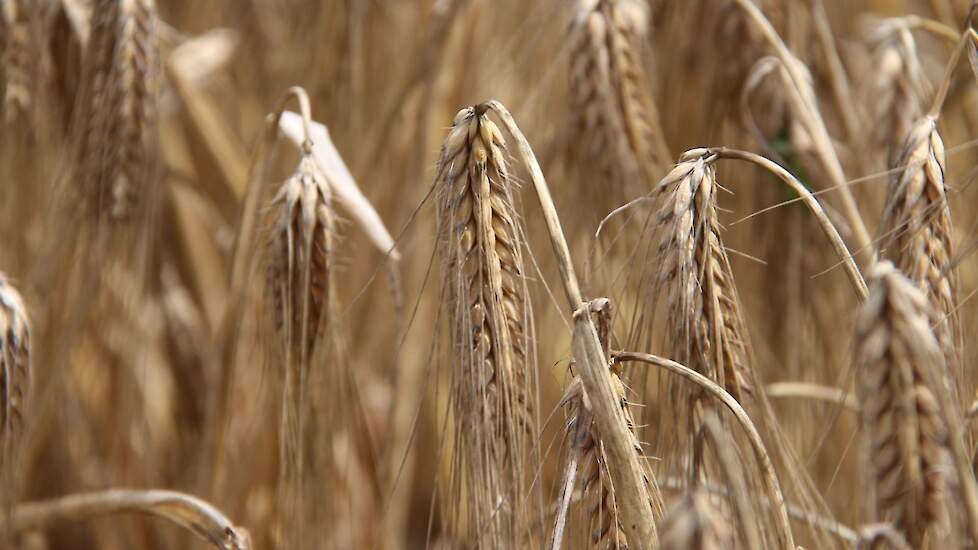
119,104
705,322
694,524
15,20
300,252
897,84
620,123
907,450
15,365
598,499
916,226
484,273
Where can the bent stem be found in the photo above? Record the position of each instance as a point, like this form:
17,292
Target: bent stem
623,462
967,36
191,513
763,458
852,270
812,120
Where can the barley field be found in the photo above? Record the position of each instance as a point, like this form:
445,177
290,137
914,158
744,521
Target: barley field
488,274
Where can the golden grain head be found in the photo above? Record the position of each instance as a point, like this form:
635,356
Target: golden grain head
706,328
300,250
897,86
621,131
197,322
895,346
916,231
484,275
15,359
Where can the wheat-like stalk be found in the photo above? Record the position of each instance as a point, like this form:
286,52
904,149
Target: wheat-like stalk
620,122
695,524
704,316
916,227
15,363
598,495
907,452
483,269
119,104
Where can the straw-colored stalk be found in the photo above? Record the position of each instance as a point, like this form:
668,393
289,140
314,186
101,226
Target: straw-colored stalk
603,521
196,516
907,436
484,274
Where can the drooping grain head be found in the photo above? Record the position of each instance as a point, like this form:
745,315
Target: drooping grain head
916,227
489,313
704,317
15,363
619,120
897,84
117,150
300,263
695,524
907,438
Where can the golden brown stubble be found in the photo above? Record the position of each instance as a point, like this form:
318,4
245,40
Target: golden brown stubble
484,273
907,436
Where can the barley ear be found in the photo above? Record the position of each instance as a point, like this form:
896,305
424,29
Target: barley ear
704,317
484,275
611,92
908,438
916,228
118,116
898,85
